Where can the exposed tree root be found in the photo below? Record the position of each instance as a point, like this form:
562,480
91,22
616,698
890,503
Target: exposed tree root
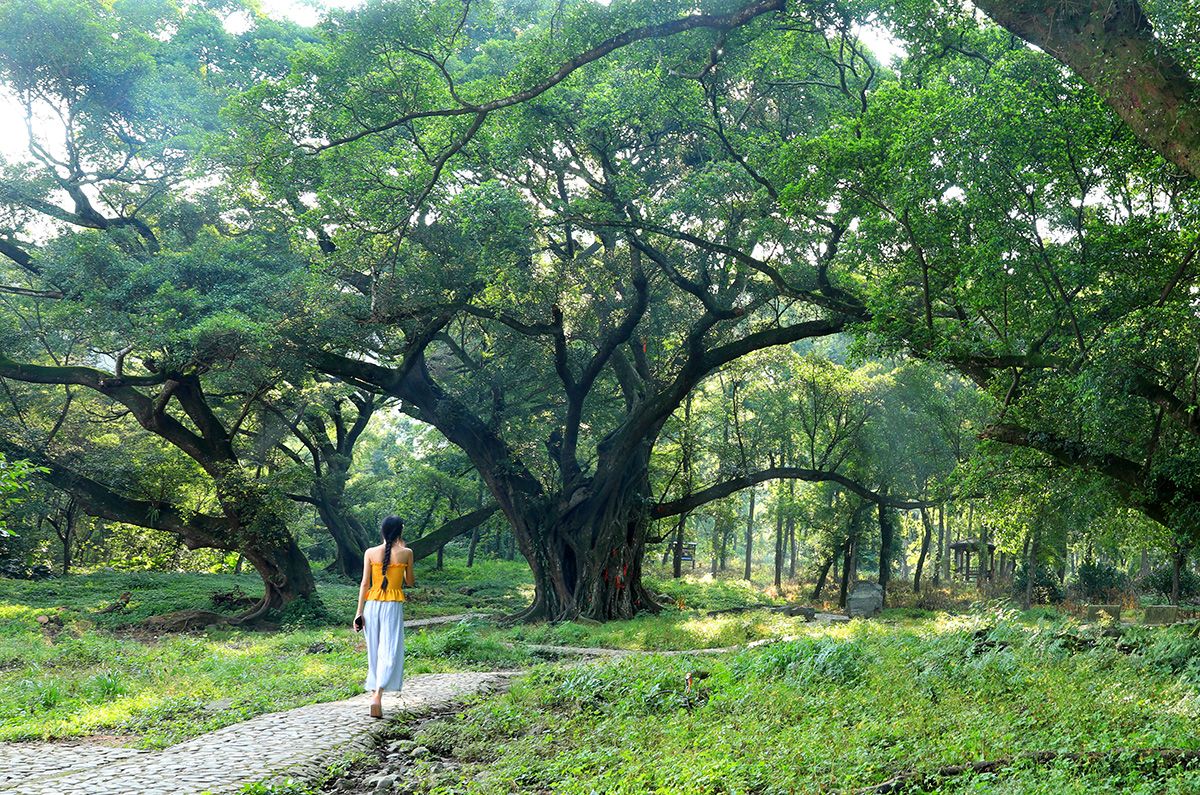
1165,757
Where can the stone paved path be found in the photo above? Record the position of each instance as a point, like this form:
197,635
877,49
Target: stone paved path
299,743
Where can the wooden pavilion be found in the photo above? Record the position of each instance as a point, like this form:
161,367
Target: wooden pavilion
962,559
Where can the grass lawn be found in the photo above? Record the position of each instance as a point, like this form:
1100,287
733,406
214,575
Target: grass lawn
838,708
101,674
814,708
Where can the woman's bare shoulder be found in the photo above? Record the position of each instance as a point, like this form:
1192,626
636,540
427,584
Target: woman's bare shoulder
374,554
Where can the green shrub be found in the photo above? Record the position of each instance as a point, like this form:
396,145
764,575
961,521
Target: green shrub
307,612
1046,587
1100,582
805,660
1159,582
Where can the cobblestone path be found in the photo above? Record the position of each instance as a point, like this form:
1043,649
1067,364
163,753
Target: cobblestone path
299,743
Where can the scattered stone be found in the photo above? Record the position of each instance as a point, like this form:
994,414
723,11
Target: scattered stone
800,610
384,784
865,600
220,705
401,746
320,647
1160,614
419,752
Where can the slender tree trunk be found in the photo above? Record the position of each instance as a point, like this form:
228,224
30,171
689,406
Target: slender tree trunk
725,536
886,533
850,554
925,539
1144,565
677,548
717,534
847,567
937,562
824,573
750,532
1178,560
1030,565
471,548
475,532
947,532
779,543
791,531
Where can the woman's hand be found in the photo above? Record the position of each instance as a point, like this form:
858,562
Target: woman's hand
358,623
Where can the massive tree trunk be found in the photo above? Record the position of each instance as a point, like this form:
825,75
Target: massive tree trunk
588,564
284,569
349,536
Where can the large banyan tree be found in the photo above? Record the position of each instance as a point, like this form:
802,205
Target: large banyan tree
496,258
540,227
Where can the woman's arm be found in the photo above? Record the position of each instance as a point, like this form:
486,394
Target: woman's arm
408,570
365,585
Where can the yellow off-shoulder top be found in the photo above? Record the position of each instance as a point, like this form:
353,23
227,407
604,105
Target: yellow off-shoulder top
395,582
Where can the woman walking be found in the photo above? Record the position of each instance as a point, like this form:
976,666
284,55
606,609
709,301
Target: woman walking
386,569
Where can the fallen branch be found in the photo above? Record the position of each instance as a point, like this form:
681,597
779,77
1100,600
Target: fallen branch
1170,757
117,606
789,610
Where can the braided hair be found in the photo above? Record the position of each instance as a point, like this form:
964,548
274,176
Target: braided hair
392,527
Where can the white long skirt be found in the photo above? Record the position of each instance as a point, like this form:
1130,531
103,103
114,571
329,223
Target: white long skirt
383,624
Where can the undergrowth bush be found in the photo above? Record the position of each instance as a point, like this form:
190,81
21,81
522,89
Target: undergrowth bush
1099,582
805,660
1159,582
1046,587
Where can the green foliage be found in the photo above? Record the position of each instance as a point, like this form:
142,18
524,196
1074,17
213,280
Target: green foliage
1160,579
809,660
838,708
1100,582
1046,586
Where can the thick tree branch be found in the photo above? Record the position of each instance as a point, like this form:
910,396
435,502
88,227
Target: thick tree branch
724,489
429,544
1112,46
663,30
194,529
